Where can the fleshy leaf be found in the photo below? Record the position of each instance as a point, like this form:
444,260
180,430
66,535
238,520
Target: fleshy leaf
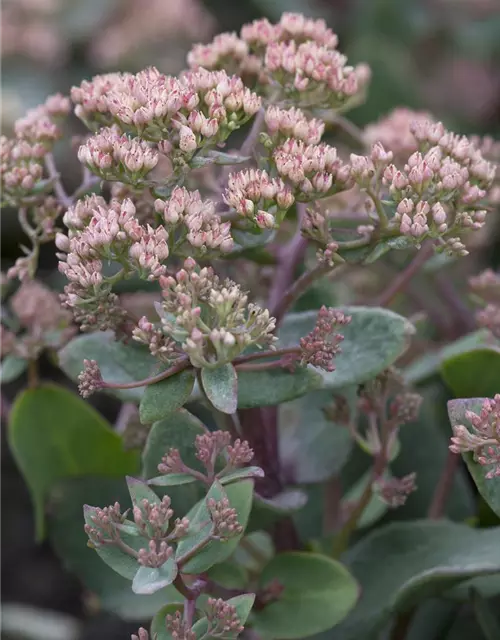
11,368
54,434
402,564
473,374
318,593
311,446
241,474
119,362
171,480
69,541
221,387
140,491
488,488
240,496
274,386
165,397
149,580
373,340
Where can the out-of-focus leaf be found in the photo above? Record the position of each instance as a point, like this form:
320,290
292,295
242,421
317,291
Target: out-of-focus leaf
54,434
266,511
274,386
11,368
473,374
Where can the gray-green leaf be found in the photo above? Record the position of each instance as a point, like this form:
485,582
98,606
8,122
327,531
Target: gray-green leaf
221,387
149,580
166,396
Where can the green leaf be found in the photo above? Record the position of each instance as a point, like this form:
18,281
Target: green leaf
69,541
219,157
149,580
158,626
228,574
166,396
373,340
266,511
312,448
488,488
119,362
11,368
274,386
240,498
429,364
221,387
140,491
54,434
172,480
318,593
488,621
255,551
474,374
402,564
240,474
383,247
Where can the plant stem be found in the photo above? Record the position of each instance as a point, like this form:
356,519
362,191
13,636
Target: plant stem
444,486
182,364
183,589
260,355
402,625
403,278
332,504
379,208
342,540
253,135
64,199
189,610
262,366
33,380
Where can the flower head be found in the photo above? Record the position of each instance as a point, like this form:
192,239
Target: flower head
322,344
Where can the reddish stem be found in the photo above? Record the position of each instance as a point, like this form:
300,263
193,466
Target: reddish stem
182,364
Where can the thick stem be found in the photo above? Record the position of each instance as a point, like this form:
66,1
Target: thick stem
176,368
404,278
183,589
444,486
189,611
33,380
332,505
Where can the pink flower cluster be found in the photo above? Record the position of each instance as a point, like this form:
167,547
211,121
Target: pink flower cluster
185,210
198,109
212,319
114,156
482,438
292,123
322,344
314,171
258,197
486,290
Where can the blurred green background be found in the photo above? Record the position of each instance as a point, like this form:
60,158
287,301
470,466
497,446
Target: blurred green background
439,55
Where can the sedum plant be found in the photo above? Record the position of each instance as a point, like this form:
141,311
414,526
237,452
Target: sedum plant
237,347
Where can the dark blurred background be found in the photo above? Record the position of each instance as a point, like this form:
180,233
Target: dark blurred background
439,55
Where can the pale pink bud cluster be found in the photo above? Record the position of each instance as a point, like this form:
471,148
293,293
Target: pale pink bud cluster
223,619
256,196
141,634
314,75
40,124
292,26
224,518
205,230
405,407
322,344
210,446
90,379
395,491
226,52
115,156
159,345
202,107
155,556
486,289
104,521
314,171
213,319
178,628
482,438
394,133
152,519
293,123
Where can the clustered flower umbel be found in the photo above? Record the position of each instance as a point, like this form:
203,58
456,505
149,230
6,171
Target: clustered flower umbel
43,322
292,123
213,320
482,438
395,491
486,290
322,344
199,109
222,618
439,193
298,54
178,628
100,232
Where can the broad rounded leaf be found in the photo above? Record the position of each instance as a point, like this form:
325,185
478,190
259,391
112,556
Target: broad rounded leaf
402,564
488,488
473,374
240,496
11,368
312,448
373,340
69,541
221,387
318,593
429,364
274,386
54,434
119,362
165,397
149,580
